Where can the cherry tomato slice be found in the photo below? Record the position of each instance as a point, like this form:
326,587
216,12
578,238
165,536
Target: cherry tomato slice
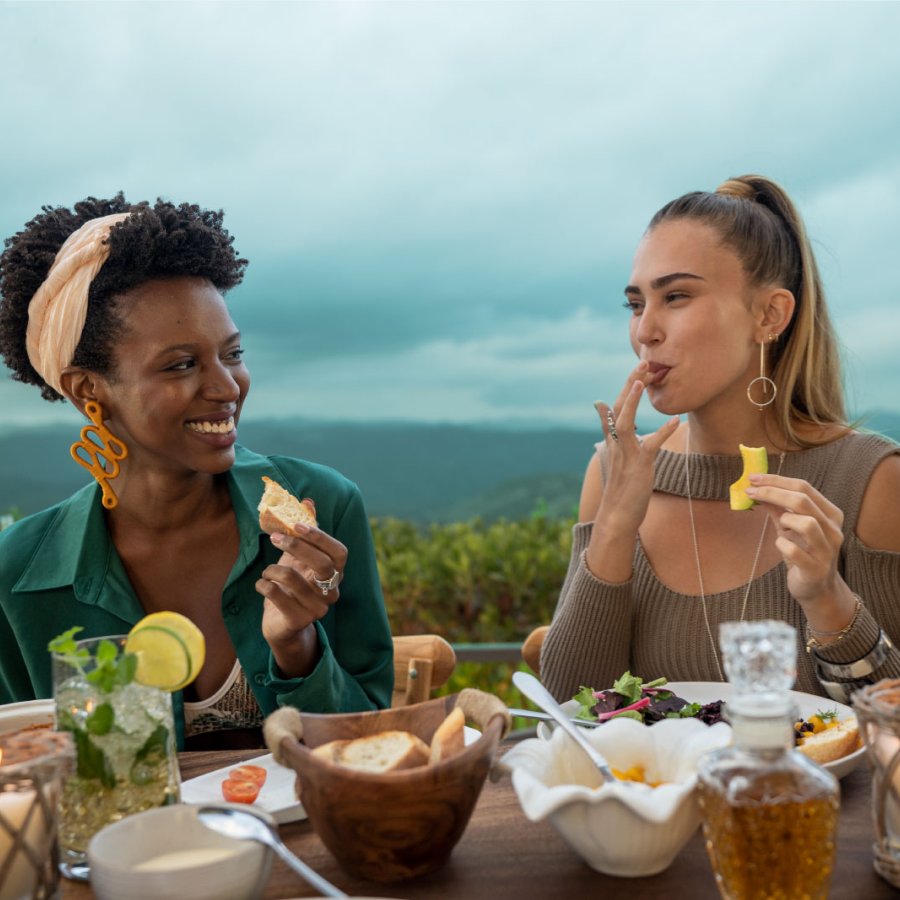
249,773
235,791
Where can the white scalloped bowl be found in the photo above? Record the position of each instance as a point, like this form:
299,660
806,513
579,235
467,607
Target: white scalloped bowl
627,829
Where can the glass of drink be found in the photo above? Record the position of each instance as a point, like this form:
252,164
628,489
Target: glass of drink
877,707
124,738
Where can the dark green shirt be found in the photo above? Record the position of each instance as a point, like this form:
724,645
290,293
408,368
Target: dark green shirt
59,568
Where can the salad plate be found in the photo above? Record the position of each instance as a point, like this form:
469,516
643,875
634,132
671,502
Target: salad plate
26,714
709,691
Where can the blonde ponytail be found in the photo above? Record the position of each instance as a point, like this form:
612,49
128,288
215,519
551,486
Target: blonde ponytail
757,219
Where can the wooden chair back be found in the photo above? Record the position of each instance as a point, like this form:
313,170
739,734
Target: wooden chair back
531,648
422,663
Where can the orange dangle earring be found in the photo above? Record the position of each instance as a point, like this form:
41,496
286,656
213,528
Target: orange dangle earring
99,451
767,383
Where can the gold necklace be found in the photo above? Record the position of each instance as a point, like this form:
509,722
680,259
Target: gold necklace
687,475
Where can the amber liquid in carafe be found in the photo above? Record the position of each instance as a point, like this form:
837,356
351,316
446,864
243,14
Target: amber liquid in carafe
770,834
769,813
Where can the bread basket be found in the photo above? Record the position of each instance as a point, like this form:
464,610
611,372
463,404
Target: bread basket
389,826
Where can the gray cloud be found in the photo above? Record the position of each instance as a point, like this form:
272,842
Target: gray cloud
428,192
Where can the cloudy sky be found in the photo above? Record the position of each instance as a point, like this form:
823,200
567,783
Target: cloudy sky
440,200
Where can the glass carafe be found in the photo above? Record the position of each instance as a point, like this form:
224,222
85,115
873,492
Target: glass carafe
769,813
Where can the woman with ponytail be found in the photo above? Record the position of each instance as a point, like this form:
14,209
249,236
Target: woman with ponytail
729,322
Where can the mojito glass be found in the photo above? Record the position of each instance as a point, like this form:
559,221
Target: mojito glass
124,737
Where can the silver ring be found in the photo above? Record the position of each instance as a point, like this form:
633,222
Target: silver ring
329,584
611,424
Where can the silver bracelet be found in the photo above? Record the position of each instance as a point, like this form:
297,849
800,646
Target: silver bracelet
842,691
841,680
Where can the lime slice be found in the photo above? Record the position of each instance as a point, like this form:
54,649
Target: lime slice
170,650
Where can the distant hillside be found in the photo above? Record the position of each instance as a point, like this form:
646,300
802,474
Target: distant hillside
427,473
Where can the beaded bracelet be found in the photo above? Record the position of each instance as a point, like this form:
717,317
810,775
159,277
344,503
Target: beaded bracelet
811,640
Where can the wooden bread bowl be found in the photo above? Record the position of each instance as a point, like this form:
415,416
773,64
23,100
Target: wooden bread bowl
389,826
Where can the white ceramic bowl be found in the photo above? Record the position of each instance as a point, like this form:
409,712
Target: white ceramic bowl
27,714
624,828
130,859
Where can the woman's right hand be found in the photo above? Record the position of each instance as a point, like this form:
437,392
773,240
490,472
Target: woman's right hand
629,470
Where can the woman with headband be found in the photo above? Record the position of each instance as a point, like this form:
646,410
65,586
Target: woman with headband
729,323
118,308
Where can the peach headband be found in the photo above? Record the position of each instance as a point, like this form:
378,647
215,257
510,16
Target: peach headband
58,309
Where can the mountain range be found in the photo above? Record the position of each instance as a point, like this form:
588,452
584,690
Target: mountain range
421,472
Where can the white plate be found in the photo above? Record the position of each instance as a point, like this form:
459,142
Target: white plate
710,691
27,714
277,796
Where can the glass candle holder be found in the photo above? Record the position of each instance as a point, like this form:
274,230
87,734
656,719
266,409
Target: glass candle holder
877,707
33,764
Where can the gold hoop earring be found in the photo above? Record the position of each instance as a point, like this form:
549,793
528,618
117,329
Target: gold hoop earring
103,451
767,383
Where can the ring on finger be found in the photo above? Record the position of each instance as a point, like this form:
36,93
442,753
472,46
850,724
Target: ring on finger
611,425
325,585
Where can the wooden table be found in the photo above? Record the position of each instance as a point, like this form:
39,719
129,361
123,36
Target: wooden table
503,855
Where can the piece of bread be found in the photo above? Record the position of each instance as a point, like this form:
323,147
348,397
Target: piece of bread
280,510
449,739
832,743
387,751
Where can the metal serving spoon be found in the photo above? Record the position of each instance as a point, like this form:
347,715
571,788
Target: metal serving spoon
546,717
241,825
537,693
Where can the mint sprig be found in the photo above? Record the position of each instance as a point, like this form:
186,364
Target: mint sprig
66,646
91,761
111,669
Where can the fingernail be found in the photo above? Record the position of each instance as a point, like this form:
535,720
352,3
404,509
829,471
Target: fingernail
751,491
637,387
597,405
755,478
277,539
300,528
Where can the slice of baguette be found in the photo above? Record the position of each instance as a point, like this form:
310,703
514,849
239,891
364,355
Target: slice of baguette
833,743
387,751
279,510
449,739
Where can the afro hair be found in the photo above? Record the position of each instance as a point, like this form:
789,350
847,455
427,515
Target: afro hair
158,241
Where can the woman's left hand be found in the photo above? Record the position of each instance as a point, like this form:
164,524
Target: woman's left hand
293,599
808,534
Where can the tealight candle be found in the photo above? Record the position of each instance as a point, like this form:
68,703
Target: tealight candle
30,767
20,834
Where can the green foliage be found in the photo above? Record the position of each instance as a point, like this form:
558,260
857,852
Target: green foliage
474,581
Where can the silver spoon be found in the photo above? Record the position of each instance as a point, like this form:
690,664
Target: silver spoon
241,825
546,717
537,693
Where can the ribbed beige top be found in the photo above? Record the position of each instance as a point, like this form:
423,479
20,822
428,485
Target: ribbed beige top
599,629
